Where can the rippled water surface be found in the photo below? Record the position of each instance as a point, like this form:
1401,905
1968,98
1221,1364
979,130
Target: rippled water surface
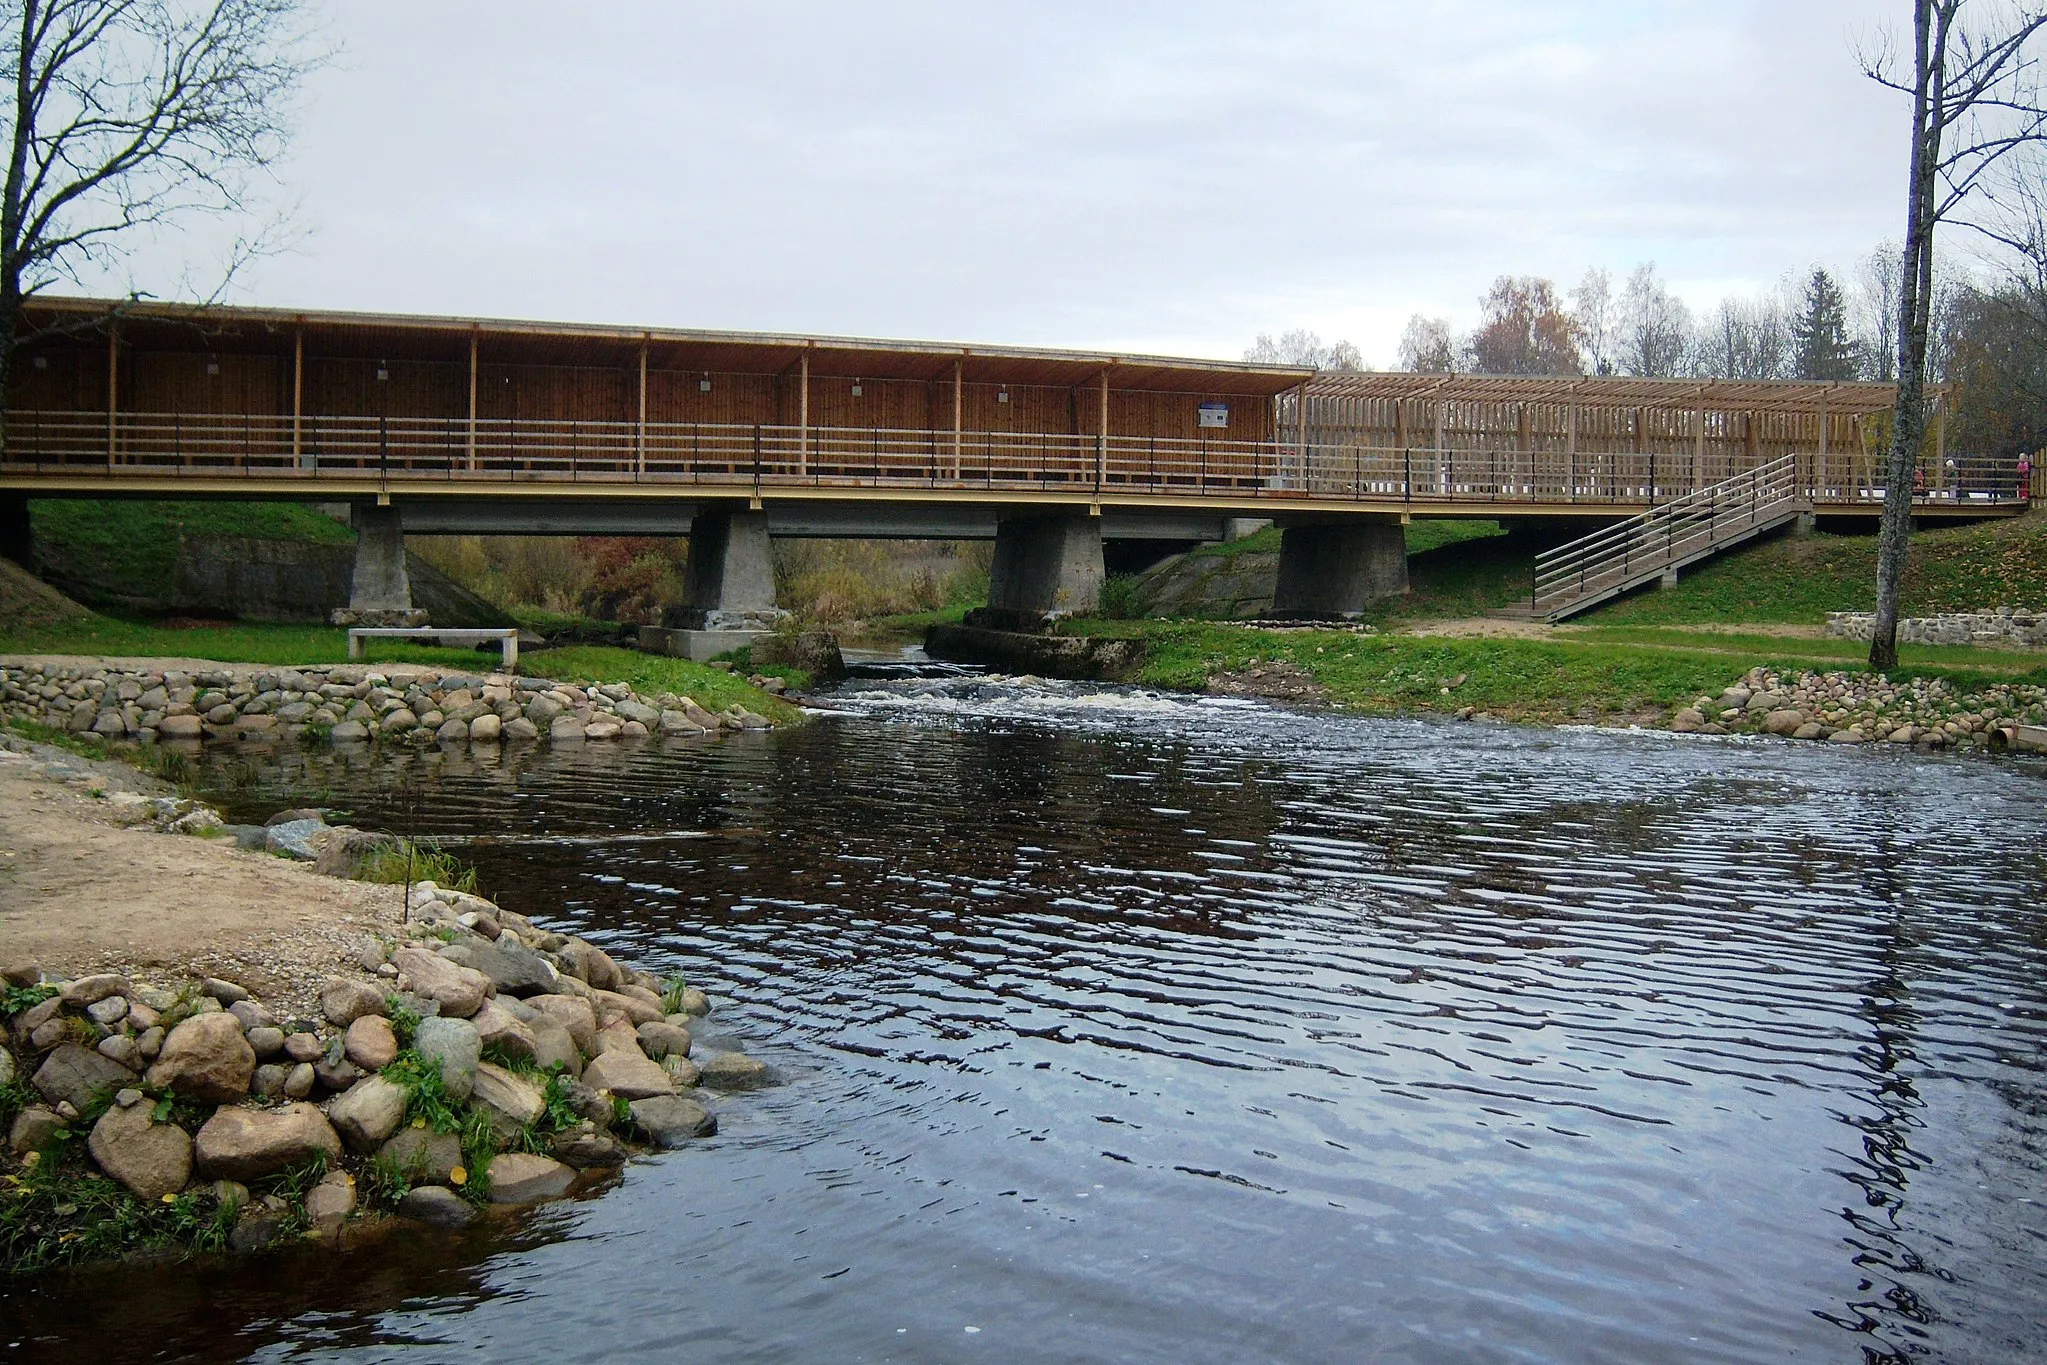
1130,1028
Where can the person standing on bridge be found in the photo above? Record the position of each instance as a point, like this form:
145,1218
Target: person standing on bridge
2025,477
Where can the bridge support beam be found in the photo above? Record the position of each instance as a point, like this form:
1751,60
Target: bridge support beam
731,579
17,539
1045,567
380,591
1333,568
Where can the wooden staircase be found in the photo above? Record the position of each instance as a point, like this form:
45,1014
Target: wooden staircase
1580,575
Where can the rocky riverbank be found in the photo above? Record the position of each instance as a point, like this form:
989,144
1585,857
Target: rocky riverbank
460,1060
345,705
1862,708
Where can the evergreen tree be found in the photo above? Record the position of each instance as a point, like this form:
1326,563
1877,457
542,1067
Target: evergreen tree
1819,335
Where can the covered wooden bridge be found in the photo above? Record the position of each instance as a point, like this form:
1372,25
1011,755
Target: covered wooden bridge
451,424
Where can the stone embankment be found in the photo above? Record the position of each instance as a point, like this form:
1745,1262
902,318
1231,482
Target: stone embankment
476,1060
347,705
1855,708
2005,627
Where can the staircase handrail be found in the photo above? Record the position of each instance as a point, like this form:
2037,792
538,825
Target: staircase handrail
1647,542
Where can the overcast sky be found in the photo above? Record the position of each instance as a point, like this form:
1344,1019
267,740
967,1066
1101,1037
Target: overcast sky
1171,177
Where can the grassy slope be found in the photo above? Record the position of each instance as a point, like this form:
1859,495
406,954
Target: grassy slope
134,545
1581,677
1798,580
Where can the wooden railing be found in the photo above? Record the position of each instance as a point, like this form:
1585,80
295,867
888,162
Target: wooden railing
766,456
1611,560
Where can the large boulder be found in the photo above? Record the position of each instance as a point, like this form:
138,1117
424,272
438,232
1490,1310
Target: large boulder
344,850
512,967
511,1101
77,1075
329,1204
432,1204
628,1073
371,1043
295,839
345,999
591,965
248,1144
457,1047
579,1017
553,1046
660,1039
423,1156
523,1178
631,1006
91,990
207,1059
671,1120
152,1159
458,990
368,1113
735,1071
498,1027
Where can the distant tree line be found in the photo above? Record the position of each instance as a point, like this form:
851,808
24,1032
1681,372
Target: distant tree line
1987,342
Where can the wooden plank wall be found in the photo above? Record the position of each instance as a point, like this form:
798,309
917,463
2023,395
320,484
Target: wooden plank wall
1733,439
74,379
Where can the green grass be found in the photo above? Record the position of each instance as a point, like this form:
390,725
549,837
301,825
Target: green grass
1798,580
255,643
133,546
652,674
1565,678
250,642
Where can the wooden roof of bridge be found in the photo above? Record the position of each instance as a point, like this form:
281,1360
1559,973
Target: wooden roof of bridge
504,341
1739,395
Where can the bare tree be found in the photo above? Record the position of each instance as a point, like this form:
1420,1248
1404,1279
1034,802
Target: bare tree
130,117
1976,99
1746,339
1656,327
1876,288
1303,347
1525,330
1596,317
1427,347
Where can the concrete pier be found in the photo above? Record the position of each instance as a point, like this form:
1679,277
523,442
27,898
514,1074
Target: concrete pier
1045,567
17,541
379,591
1333,568
731,580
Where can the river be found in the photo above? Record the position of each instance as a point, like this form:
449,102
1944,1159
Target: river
1120,1027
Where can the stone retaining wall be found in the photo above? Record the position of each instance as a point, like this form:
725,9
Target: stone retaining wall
346,705
2026,629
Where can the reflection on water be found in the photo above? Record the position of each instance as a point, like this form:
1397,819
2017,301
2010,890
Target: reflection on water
1135,1028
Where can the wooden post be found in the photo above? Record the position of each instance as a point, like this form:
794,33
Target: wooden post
1102,437
113,382
1940,430
1442,460
1698,447
803,411
1822,461
298,397
1571,454
640,422
471,434
959,410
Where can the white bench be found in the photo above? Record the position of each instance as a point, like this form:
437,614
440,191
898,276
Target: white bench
507,638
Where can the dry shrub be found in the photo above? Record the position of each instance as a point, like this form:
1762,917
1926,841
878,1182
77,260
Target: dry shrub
834,581
551,573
